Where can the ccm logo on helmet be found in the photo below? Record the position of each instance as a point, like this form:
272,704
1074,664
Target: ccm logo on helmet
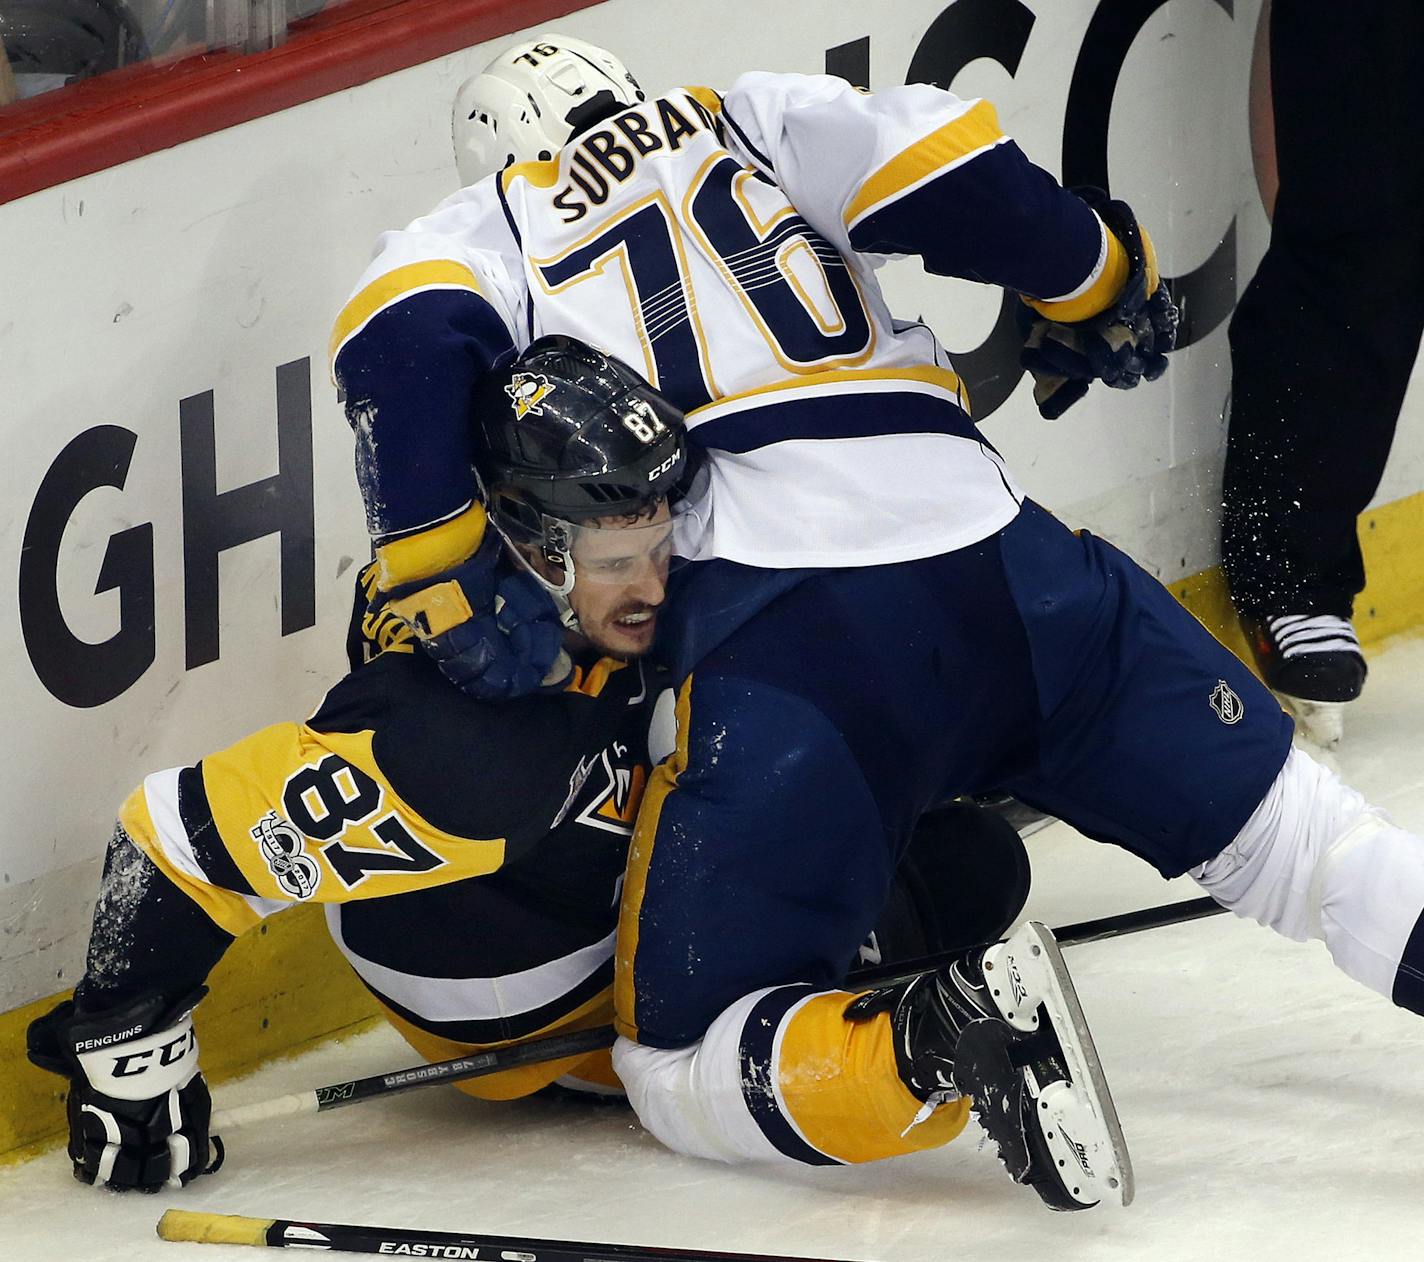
663,468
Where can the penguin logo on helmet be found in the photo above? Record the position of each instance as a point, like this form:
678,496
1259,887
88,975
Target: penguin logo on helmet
527,390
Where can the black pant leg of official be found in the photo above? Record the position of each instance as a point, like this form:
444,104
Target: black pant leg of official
1325,336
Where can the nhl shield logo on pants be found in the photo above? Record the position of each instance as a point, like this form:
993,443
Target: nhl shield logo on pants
1226,703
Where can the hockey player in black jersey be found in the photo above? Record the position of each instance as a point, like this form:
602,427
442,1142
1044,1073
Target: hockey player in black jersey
469,853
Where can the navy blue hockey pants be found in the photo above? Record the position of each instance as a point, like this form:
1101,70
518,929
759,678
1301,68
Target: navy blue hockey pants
812,737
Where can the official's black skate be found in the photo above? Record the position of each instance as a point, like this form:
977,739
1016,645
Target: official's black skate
1003,1026
1313,663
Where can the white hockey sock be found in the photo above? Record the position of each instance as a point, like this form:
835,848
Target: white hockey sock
690,1098
1315,860
782,1075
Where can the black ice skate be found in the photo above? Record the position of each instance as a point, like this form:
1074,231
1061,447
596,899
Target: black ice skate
1003,1026
1313,663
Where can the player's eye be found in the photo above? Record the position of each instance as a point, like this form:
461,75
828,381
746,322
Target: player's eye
611,565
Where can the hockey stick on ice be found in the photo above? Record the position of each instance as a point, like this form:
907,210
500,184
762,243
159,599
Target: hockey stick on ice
278,1233
1070,935
581,1042
477,1065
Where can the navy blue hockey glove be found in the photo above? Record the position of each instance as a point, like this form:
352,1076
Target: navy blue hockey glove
495,633
1121,346
138,1106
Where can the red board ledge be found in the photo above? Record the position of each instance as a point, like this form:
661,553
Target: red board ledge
141,109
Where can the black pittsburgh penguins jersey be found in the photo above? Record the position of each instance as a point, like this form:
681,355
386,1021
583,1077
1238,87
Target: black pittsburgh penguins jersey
469,852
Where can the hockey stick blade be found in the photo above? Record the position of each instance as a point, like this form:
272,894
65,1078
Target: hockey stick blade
277,1233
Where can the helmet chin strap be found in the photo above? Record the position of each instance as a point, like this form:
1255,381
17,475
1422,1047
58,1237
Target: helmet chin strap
559,591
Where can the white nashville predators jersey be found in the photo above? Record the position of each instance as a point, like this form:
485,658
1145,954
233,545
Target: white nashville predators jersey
726,248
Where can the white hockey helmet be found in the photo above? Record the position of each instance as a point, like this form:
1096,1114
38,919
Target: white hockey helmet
530,99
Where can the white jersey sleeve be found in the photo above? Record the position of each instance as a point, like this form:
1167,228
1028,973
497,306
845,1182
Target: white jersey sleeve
440,304
918,170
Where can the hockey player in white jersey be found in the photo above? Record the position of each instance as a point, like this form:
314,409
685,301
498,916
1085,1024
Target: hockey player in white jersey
878,618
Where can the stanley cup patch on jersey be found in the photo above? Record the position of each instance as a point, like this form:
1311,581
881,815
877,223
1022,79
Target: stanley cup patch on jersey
284,849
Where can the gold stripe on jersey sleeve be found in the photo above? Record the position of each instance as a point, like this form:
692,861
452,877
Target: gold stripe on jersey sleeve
1101,294
392,287
245,786
640,856
512,1084
225,909
432,551
928,374
841,1088
974,130
705,97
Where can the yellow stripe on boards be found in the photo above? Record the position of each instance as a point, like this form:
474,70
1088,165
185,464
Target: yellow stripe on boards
975,129
640,856
1391,540
392,287
279,990
842,1090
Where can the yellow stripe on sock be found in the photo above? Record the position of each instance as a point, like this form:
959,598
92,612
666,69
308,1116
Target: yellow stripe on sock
843,1092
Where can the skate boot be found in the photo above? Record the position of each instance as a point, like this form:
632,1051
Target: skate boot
1313,663
1003,1026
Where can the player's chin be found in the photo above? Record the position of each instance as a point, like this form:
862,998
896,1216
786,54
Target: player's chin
629,636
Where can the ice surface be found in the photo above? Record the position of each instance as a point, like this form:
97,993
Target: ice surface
1273,1107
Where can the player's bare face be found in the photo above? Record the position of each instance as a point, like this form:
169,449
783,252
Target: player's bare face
620,581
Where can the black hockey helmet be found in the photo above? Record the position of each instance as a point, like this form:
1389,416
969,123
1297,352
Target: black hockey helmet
74,38
565,436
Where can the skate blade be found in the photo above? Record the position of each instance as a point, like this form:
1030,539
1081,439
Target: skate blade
1028,971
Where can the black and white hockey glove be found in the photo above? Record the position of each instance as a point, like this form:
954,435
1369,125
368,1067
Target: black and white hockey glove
1122,346
138,1106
